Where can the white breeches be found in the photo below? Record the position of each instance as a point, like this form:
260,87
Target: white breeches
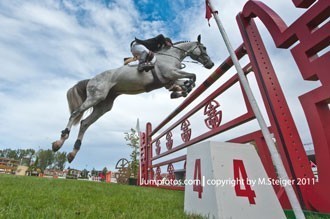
138,49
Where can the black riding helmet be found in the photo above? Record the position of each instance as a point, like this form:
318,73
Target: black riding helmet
168,41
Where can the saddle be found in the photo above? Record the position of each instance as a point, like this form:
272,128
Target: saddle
153,44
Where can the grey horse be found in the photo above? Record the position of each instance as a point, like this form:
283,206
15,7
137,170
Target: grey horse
100,92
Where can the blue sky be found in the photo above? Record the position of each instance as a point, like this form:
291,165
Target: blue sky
47,46
170,12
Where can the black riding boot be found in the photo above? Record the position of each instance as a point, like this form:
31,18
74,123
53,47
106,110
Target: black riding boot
144,65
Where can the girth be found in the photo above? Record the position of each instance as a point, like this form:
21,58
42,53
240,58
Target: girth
156,82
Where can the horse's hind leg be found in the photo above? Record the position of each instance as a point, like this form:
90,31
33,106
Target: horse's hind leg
56,145
98,110
74,119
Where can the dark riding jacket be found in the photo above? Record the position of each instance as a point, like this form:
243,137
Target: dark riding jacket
153,44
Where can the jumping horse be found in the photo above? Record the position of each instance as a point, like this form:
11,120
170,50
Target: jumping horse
100,92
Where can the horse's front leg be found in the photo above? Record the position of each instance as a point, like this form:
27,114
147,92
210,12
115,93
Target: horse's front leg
180,74
180,88
177,88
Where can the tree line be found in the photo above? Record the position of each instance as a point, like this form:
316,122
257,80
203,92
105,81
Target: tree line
47,159
41,159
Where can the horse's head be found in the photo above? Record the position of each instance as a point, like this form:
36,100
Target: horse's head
199,54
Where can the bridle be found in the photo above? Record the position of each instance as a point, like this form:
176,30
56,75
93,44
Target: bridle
200,58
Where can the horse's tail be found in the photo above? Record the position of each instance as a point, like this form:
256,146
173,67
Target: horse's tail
76,96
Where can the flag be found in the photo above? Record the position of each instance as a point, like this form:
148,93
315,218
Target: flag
208,12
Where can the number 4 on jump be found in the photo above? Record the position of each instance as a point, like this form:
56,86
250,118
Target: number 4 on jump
241,176
197,186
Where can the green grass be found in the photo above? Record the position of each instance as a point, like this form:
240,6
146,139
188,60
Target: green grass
32,197
308,214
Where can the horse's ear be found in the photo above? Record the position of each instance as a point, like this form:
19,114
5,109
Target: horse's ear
199,38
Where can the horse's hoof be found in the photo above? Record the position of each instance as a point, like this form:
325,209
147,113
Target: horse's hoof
175,95
187,83
56,145
176,88
70,157
184,94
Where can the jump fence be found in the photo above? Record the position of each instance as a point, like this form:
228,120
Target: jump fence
308,39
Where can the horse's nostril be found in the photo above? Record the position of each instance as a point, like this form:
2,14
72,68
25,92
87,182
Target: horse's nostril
209,65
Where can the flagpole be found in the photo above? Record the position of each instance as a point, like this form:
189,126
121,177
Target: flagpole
139,134
277,161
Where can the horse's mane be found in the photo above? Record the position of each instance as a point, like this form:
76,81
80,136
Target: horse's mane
174,44
184,41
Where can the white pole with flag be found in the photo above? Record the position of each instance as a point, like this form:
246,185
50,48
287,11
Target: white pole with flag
139,134
277,161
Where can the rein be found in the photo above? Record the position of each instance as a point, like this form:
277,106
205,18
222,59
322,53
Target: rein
185,51
164,54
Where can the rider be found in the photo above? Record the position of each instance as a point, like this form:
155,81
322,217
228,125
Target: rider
143,50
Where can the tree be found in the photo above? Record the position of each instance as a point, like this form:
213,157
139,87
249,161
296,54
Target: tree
59,160
36,163
23,155
42,159
9,153
132,138
104,171
94,172
84,174
46,158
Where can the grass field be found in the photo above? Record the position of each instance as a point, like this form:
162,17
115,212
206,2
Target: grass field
32,197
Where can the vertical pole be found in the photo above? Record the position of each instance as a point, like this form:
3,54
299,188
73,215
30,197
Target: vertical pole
277,161
149,151
135,149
